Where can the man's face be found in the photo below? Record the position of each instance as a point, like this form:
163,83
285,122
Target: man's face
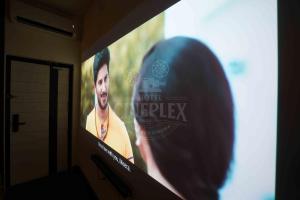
101,87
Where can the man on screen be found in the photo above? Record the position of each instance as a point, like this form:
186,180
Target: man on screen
102,121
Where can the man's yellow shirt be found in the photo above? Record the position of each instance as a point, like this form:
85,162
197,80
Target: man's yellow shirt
116,136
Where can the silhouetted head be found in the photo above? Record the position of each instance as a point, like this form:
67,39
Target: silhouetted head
184,111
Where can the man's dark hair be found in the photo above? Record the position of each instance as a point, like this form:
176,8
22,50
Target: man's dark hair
195,156
101,58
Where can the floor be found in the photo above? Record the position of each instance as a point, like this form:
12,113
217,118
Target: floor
64,185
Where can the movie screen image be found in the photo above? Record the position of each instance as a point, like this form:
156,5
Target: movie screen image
190,97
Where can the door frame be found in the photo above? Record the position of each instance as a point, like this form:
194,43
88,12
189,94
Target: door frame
9,59
2,108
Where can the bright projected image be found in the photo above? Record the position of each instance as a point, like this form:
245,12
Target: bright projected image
190,97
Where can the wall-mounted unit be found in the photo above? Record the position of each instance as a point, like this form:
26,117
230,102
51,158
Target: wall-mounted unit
45,20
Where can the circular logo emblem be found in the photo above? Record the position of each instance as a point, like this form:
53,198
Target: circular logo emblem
160,69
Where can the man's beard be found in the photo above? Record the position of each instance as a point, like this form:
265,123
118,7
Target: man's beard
103,107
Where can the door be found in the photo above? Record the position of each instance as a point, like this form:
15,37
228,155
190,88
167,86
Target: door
59,102
38,134
29,135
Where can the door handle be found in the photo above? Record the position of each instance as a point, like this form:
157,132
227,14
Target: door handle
16,122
